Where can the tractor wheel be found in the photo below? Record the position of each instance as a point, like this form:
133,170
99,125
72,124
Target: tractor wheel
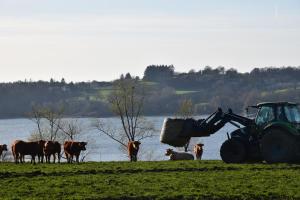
278,146
233,151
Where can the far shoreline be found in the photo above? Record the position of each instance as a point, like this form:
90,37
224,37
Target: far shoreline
101,117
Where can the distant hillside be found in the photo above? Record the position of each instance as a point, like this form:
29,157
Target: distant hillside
211,88
78,99
208,89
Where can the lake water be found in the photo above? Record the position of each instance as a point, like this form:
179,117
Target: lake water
102,148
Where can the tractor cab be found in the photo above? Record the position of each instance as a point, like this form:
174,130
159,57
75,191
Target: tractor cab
281,112
290,113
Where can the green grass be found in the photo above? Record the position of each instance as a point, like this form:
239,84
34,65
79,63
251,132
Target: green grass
181,92
279,91
202,104
282,91
150,180
104,93
149,83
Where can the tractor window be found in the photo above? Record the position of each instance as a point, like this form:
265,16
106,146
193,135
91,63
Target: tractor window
292,113
280,114
265,114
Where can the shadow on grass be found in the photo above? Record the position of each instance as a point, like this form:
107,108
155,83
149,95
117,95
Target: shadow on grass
36,173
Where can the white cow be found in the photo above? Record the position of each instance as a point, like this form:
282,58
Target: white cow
179,155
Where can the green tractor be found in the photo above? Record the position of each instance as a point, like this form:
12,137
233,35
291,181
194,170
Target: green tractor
273,135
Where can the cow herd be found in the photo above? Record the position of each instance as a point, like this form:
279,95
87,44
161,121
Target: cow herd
44,149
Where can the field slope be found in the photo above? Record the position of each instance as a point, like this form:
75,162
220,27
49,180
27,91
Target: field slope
149,180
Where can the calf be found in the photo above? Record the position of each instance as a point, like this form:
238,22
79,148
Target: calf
73,149
52,148
21,148
198,150
133,149
178,155
3,147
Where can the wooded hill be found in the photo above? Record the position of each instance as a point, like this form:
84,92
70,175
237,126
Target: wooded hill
208,89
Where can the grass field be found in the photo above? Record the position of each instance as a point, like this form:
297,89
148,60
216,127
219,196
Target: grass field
150,180
182,92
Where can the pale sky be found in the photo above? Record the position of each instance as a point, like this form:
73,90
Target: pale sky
83,40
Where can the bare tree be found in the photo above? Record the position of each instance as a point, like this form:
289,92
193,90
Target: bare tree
52,126
185,111
54,118
36,116
71,129
48,120
127,101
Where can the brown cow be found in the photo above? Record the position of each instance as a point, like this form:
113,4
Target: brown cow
198,150
3,147
133,149
21,148
72,148
52,148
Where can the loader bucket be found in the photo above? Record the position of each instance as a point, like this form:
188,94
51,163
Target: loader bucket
176,132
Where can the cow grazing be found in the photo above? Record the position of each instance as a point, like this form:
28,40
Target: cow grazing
198,150
133,149
73,149
52,148
21,148
3,147
178,155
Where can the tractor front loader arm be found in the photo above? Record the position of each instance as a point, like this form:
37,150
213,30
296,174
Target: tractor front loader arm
218,120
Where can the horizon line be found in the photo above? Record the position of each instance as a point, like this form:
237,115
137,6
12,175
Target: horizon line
59,80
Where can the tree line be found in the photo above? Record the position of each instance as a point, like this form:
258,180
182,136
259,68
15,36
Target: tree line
165,88
210,88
